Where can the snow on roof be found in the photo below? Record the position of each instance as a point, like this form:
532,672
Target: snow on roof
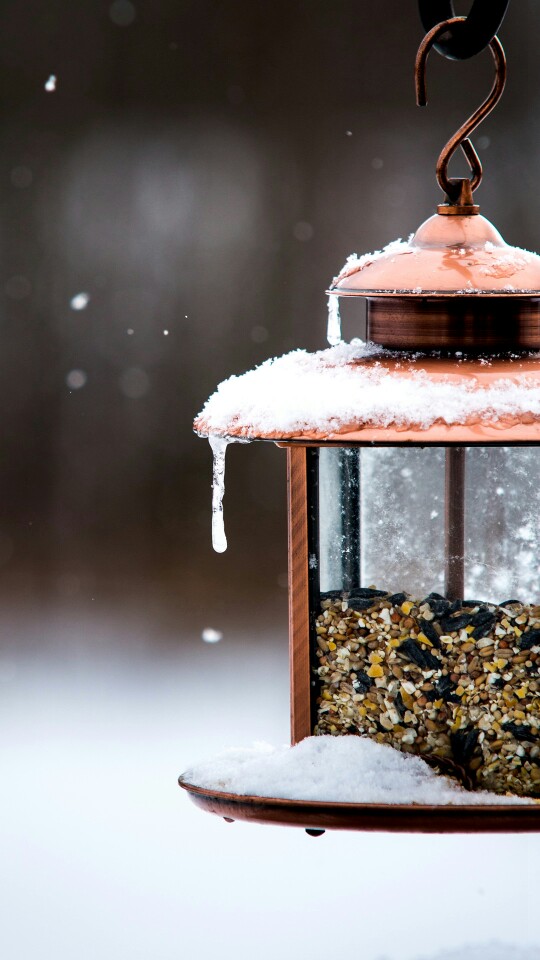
334,770
357,385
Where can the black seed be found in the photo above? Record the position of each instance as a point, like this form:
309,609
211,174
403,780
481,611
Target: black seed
483,616
362,683
529,639
367,592
463,744
423,658
445,691
400,706
360,603
483,622
455,606
520,731
498,683
451,624
330,595
509,603
430,632
439,605
475,603
397,599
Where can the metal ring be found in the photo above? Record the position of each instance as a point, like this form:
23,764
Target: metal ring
470,37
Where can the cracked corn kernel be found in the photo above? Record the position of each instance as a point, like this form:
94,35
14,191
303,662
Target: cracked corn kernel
407,606
331,645
375,671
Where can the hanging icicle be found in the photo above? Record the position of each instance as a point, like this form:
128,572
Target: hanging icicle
333,330
219,448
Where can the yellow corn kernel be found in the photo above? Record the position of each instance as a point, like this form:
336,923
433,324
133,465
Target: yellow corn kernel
522,692
469,629
407,699
326,695
407,607
460,691
375,671
332,645
423,639
375,658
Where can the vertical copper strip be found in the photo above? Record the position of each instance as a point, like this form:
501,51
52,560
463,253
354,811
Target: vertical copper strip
298,593
454,528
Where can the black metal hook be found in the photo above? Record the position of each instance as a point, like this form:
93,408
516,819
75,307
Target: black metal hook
472,34
454,188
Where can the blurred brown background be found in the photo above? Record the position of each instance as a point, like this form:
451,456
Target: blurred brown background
202,168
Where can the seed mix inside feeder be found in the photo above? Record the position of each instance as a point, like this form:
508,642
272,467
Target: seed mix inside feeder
414,536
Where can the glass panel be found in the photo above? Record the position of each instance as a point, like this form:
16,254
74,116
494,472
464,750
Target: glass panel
382,518
502,523
339,517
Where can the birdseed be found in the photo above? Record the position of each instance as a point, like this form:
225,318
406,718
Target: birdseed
456,682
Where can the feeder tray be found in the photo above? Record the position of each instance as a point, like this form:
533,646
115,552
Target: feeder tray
390,818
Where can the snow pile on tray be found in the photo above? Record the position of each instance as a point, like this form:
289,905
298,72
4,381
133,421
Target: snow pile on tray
333,769
347,386
488,951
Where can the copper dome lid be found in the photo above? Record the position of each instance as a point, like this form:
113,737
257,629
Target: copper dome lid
447,256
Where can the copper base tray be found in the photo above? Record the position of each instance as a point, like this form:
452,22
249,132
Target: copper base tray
316,817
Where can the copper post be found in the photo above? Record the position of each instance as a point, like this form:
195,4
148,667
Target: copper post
454,522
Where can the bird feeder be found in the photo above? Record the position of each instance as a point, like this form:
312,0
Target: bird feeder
414,513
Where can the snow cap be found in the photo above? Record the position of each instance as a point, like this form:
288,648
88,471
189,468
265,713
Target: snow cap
359,392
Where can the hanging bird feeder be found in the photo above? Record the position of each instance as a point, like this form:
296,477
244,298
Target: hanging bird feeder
414,511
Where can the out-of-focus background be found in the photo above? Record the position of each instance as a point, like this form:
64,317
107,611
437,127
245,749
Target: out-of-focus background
173,205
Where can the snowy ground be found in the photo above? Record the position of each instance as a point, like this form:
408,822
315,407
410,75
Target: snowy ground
104,857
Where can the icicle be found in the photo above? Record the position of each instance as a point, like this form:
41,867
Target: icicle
333,332
219,449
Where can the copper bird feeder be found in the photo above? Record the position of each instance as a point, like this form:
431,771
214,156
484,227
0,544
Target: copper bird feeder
384,641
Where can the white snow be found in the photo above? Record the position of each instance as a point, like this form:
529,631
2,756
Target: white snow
209,635
336,388
76,379
50,85
355,262
80,301
487,951
333,769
